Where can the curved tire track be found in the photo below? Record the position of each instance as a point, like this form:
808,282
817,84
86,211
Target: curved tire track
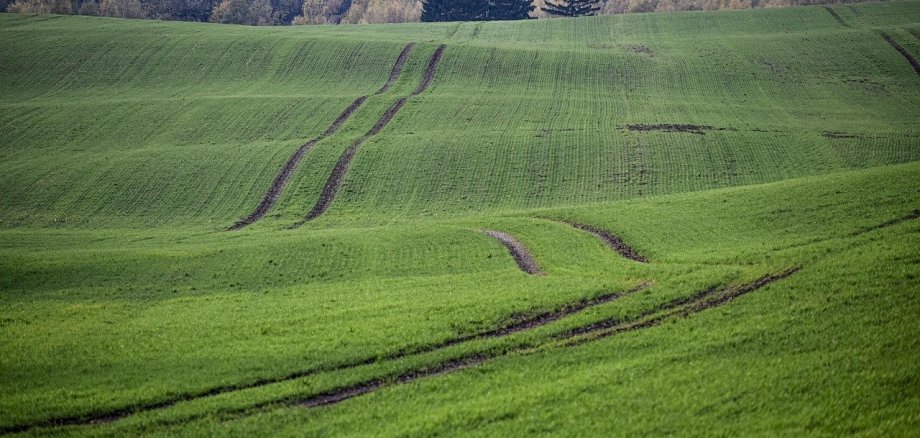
524,259
529,323
430,70
397,68
910,58
612,240
331,188
678,309
281,180
284,175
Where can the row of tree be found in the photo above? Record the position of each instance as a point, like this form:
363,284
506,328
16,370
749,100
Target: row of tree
265,12
482,10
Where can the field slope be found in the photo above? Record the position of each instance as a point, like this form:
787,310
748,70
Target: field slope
676,223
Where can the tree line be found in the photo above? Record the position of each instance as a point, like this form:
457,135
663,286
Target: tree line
280,12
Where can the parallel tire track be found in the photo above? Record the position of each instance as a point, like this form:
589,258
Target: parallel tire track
910,58
284,175
612,240
679,309
331,188
524,259
397,68
528,323
281,180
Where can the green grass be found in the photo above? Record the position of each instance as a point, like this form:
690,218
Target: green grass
127,147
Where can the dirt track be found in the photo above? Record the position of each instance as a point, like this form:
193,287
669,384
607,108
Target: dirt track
524,260
679,308
910,58
281,180
397,68
612,240
430,71
331,188
836,16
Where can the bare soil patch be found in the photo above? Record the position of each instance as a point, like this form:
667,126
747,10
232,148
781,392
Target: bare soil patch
676,127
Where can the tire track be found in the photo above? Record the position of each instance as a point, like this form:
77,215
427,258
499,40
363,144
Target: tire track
908,217
331,188
284,175
910,58
430,70
529,323
397,68
837,16
612,240
522,257
678,309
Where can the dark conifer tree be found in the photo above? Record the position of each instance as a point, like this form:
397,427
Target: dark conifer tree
510,9
572,8
455,10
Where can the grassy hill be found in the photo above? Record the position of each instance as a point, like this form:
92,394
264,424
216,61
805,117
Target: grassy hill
763,163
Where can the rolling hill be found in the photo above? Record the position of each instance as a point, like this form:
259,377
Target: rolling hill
674,223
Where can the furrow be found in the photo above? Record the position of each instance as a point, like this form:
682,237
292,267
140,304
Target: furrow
397,68
524,259
910,58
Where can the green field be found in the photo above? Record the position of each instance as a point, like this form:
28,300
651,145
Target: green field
765,162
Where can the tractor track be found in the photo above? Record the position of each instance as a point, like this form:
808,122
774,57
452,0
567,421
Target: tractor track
284,175
397,68
528,323
908,217
678,309
430,71
521,255
910,58
331,188
612,240
837,16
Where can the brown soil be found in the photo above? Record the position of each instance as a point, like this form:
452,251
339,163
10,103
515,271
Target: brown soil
430,71
672,127
281,180
524,260
612,240
910,58
397,68
836,16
